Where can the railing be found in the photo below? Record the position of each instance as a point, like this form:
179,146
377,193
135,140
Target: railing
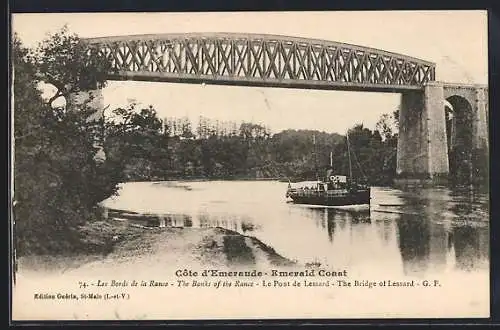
317,193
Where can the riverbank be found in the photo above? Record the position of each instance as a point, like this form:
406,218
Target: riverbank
114,242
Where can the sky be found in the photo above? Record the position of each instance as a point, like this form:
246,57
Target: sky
455,40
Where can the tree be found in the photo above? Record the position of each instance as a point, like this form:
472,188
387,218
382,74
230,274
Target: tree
387,125
57,183
395,115
70,64
135,140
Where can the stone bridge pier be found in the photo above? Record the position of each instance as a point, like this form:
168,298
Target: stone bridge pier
435,122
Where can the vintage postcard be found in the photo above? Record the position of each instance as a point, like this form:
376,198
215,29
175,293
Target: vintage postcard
250,165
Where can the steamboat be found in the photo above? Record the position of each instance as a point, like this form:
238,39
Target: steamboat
332,190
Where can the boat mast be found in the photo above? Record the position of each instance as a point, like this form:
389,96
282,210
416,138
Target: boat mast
315,158
349,153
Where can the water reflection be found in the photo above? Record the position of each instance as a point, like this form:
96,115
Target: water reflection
413,238
177,220
410,232
331,228
470,246
427,237
435,231
239,223
432,230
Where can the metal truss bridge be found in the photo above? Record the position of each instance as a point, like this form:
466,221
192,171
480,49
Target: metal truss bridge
261,60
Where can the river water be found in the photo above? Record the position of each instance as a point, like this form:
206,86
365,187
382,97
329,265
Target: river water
422,235
416,233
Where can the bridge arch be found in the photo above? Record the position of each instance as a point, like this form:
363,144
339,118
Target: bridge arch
469,143
460,116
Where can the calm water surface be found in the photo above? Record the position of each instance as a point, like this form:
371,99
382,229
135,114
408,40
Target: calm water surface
409,232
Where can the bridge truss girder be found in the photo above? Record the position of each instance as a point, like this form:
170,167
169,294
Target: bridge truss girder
261,60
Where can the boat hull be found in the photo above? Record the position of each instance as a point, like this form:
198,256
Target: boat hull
355,198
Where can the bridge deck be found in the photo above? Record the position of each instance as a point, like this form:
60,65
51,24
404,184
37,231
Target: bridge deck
256,82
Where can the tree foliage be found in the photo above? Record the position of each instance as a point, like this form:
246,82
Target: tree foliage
70,64
57,183
219,150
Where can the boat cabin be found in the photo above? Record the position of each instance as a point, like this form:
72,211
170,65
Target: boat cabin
337,182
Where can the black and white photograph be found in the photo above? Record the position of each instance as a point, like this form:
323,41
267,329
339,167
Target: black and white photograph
250,165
